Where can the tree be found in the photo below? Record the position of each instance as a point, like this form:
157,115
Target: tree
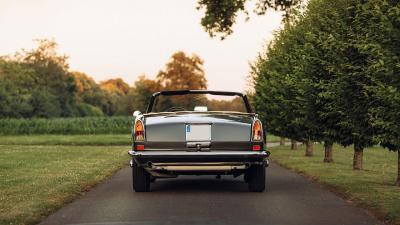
115,86
323,28
308,79
280,92
221,15
342,59
138,96
380,43
182,72
116,89
52,76
91,99
16,81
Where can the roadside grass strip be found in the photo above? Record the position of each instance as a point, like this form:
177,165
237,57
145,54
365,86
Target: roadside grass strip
372,188
272,138
37,180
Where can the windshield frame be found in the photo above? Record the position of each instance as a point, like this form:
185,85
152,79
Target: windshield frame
188,92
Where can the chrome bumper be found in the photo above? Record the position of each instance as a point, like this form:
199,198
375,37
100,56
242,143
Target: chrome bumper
198,161
223,166
201,153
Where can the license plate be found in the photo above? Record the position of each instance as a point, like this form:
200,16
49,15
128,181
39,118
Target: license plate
198,132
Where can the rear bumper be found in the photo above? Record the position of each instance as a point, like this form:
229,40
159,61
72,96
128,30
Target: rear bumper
198,161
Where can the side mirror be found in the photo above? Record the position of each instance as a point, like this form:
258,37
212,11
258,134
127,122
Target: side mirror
136,113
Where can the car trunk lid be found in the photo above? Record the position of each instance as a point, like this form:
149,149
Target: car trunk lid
190,131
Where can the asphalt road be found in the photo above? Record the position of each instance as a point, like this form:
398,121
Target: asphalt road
290,199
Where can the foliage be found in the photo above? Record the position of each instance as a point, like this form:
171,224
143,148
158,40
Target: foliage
332,75
53,76
38,83
116,86
15,89
183,72
91,99
236,104
379,42
220,15
138,96
78,125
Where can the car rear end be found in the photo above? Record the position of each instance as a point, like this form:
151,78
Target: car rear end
193,143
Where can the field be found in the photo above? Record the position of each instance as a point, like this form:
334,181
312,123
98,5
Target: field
78,125
372,187
36,180
46,139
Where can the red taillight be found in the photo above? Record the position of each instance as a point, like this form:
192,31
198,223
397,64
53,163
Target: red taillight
139,130
139,147
257,131
256,147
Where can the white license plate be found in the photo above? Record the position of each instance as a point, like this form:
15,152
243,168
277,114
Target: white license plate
198,132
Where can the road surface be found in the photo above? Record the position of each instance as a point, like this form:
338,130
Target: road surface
290,199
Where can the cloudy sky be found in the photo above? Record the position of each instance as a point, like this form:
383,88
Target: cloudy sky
125,38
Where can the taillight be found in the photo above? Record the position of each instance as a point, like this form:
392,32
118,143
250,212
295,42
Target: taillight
139,147
257,131
139,131
256,147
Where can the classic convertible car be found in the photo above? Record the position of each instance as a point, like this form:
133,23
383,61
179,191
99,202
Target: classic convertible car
184,133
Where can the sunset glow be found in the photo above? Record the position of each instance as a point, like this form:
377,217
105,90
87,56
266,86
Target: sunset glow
109,39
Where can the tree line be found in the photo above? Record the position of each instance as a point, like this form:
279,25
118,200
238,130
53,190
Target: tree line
332,75
38,83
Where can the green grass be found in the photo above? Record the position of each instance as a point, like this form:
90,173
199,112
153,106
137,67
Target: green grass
100,139
77,125
272,138
37,180
372,187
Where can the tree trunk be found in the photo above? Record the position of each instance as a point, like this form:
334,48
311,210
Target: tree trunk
328,152
309,148
358,158
282,141
293,144
398,168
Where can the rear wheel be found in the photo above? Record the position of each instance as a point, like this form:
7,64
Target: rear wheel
140,179
256,178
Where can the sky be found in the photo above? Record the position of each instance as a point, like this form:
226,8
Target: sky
127,38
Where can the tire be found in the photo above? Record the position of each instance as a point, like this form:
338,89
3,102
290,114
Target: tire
140,179
256,178
246,177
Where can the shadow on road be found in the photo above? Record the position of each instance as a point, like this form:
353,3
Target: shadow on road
200,184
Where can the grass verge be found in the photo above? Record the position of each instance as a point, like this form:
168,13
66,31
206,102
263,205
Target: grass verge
372,188
272,138
100,139
37,180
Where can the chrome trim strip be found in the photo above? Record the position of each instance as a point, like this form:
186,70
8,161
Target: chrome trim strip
200,168
199,153
198,164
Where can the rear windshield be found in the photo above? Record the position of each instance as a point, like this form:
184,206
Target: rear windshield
198,102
